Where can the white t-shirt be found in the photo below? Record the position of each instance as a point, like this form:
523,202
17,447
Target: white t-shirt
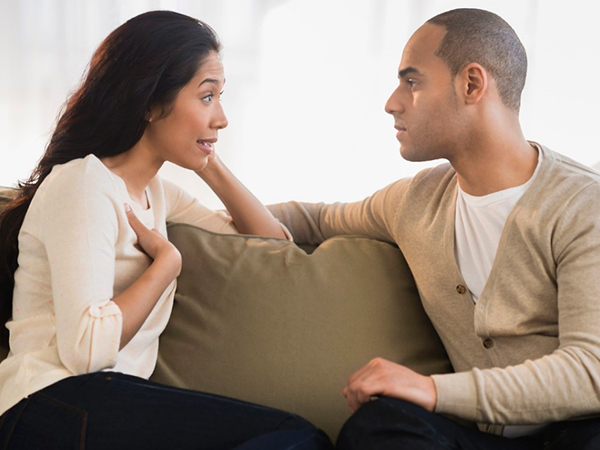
479,223
76,252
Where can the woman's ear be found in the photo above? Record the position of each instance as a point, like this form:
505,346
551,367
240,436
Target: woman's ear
149,116
473,83
153,113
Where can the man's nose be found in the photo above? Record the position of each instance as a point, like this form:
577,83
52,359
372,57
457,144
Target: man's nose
394,104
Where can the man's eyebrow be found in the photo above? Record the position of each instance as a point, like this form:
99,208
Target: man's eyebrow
409,70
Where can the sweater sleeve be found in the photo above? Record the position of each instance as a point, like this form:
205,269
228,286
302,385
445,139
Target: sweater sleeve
185,208
566,383
312,223
79,229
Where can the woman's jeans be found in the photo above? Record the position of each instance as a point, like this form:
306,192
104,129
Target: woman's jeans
108,410
387,424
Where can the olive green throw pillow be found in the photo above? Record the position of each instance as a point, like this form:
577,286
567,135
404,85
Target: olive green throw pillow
263,321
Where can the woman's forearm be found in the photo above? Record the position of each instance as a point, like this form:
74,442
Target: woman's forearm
248,213
137,301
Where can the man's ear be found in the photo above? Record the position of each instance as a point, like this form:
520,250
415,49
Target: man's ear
472,83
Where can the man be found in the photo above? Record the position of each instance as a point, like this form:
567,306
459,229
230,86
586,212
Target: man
504,245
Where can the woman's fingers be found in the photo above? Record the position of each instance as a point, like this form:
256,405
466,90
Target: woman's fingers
154,244
135,223
150,240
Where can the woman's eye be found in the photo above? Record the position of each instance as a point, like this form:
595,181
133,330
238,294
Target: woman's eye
208,98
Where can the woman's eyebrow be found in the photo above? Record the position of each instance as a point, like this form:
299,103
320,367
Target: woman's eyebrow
210,80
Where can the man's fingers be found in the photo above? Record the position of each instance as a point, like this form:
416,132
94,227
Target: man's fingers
365,383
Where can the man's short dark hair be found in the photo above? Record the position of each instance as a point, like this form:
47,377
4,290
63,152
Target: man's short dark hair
475,35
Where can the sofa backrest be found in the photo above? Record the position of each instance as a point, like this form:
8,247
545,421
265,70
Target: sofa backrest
264,321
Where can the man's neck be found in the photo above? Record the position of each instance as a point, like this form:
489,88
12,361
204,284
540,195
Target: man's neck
495,158
495,170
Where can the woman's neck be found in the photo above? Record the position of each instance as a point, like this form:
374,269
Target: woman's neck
136,168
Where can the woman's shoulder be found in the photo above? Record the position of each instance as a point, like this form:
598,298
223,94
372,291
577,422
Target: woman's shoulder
88,171
172,193
83,178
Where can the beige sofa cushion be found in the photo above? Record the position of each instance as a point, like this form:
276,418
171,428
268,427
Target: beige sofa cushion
261,320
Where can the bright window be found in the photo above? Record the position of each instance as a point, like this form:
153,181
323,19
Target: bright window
306,83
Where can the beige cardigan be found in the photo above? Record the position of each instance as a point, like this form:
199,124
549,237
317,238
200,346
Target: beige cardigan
529,351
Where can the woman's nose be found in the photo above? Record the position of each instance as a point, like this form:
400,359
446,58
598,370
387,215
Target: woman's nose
220,120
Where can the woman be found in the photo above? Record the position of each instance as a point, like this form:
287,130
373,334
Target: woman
88,274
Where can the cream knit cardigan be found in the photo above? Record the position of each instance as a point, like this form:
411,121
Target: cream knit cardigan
76,252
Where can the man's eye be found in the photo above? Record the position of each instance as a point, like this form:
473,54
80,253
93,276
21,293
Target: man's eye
411,83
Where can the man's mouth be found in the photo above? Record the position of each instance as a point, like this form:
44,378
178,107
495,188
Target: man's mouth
401,130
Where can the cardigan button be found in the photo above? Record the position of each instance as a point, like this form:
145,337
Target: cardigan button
461,289
488,343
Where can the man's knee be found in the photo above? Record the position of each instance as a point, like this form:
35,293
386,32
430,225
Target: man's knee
383,420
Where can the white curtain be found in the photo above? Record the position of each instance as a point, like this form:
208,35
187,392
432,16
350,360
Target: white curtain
306,83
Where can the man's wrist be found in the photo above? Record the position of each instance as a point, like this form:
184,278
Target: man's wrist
431,393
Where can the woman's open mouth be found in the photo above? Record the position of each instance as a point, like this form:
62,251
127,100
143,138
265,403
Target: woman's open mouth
206,147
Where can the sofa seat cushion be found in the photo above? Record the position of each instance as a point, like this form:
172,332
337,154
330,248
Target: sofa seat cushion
264,321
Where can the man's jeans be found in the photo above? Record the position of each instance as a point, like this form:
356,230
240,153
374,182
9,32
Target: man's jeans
108,410
395,424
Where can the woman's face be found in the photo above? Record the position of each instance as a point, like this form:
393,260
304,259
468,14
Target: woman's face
187,134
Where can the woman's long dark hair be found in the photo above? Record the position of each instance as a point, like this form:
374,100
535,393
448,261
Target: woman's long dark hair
141,65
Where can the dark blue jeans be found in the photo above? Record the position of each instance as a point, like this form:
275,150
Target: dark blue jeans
113,411
395,424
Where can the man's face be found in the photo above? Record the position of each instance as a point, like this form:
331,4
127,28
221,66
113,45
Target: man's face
425,105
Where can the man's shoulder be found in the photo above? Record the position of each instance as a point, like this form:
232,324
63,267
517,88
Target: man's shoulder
430,187
568,174
434,176
436,173
564,190
565,163
433,179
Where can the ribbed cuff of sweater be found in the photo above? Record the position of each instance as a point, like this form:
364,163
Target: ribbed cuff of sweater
456,395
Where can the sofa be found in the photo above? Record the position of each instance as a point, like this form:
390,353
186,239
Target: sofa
284,325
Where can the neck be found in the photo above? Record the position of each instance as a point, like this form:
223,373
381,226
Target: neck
136,168
498,158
